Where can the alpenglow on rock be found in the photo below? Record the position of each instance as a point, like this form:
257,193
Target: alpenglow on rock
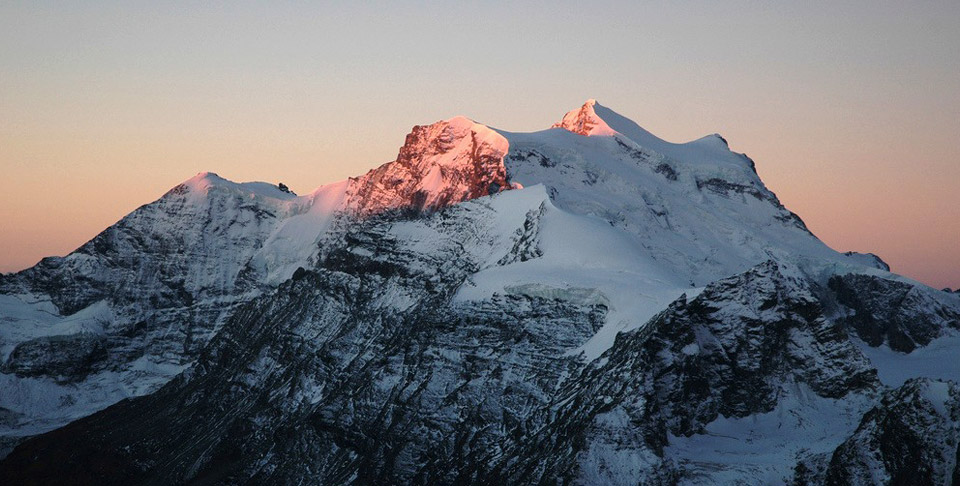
587,304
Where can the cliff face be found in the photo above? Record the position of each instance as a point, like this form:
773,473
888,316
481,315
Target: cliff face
910,437
438,165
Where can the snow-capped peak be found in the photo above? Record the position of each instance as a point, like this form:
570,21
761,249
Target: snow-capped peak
714,139
593,119
585,121
202,184
203,181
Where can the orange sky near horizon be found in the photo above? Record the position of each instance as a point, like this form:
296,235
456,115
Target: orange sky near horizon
851,112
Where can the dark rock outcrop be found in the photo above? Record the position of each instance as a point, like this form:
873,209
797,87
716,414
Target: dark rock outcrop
910,438
887,311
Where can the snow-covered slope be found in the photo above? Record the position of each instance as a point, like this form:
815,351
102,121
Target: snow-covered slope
631,311
689,214
699,208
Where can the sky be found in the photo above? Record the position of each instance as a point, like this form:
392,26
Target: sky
851,110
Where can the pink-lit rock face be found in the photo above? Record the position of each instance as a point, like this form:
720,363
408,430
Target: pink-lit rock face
440,164
585,121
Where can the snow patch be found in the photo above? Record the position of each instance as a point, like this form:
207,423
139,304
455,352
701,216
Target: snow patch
764,448
937,360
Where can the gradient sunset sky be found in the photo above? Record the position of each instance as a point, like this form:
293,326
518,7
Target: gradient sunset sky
851,112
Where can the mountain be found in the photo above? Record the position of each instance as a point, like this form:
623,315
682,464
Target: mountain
586,304
133,307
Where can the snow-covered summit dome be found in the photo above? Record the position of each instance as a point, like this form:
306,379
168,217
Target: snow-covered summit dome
593,119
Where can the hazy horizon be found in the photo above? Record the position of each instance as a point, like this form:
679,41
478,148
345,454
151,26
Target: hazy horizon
850,112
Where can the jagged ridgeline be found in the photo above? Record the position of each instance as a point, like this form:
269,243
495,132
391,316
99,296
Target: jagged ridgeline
587,304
